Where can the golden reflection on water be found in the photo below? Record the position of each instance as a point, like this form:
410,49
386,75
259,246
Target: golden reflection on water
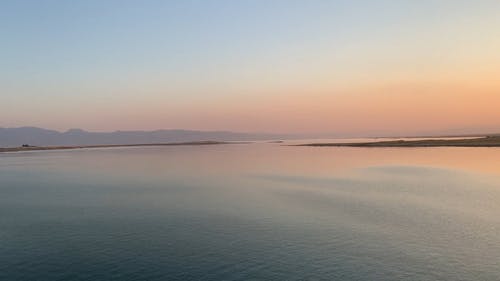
254,158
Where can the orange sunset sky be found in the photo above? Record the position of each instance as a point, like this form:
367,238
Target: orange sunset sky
334,67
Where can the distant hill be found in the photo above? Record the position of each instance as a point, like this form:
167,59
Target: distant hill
14,137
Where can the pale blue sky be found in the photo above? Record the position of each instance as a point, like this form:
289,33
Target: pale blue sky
105,65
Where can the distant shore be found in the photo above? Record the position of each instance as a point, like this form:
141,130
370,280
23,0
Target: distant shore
38,148
488,141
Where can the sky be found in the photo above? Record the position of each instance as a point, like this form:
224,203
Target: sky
344,67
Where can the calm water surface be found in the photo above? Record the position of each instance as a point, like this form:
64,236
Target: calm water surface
251,212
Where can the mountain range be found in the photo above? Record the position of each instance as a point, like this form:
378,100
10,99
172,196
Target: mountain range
14,137
34,136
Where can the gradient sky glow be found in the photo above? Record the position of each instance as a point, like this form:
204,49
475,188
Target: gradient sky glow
346,67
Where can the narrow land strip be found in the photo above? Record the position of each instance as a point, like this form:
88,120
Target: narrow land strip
489,141
36,148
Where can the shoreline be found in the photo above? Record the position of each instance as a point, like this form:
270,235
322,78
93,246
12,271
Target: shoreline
488,141
68,147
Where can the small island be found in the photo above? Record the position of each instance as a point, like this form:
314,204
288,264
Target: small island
26,147
488,141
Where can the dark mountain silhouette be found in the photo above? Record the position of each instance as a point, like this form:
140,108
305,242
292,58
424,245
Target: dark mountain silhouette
13,137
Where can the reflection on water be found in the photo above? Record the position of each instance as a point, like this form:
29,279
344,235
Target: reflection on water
251,212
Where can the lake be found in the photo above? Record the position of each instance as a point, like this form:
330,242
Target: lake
258,211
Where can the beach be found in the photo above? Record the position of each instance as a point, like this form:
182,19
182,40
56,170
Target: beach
489,141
